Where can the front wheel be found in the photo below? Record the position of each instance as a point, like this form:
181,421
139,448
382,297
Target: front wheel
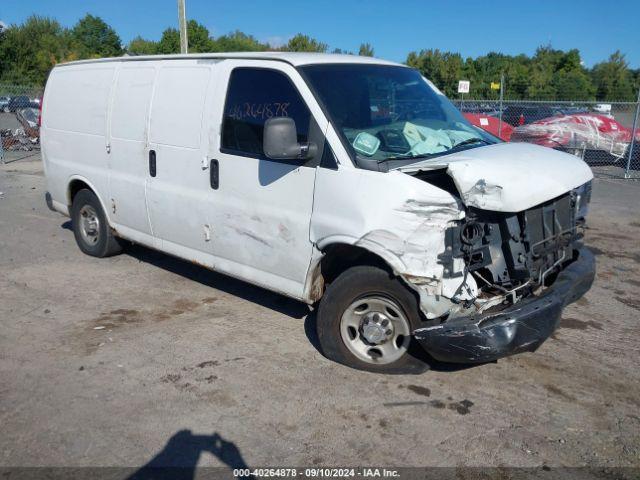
90,226
365,320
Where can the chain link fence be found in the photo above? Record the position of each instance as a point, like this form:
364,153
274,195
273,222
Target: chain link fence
605,134
19,125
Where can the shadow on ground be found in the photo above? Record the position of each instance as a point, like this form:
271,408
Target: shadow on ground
266,298
274,301
180,456
287,306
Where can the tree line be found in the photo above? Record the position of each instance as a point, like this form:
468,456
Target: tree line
28,52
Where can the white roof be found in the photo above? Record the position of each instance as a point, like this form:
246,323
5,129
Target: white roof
293,58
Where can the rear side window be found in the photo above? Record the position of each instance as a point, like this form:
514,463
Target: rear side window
255,95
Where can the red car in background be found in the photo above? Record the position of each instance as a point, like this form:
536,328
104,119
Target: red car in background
583,131
491,125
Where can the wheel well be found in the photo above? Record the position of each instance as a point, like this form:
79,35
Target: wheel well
74,187
340,257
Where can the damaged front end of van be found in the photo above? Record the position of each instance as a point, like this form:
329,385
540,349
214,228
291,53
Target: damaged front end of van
490,239
514,260
487,234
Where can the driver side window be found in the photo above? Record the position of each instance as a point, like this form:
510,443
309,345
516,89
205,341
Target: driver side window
253,96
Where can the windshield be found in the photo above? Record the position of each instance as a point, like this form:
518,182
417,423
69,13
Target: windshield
391,113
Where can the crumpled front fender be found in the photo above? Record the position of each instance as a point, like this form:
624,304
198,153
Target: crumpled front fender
399,218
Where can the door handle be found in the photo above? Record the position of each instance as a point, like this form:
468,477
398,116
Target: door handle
152,163
214,177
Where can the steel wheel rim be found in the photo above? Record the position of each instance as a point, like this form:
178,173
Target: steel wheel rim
375,330
89,225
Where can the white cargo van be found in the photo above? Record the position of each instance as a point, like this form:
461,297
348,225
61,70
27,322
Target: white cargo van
343,181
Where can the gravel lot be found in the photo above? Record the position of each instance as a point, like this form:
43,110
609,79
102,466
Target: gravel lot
192,366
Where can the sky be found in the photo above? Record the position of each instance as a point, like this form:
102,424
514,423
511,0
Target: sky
393,27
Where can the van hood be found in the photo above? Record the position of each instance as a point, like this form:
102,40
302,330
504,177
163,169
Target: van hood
509,177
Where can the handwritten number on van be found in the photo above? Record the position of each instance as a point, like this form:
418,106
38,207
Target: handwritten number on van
263,111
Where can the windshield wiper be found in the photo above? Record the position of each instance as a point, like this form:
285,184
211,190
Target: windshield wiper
408,156
469,141
402,156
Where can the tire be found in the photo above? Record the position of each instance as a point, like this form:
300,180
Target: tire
91,227
356,297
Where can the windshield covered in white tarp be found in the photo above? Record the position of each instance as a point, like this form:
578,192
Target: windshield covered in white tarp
391,112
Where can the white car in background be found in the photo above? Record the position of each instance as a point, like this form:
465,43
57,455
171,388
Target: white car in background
604,108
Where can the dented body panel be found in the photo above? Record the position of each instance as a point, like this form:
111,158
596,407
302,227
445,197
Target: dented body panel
510,177
396,217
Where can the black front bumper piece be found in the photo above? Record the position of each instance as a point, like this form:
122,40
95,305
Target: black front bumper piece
522,327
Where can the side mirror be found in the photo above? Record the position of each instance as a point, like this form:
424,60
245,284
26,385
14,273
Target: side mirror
281,141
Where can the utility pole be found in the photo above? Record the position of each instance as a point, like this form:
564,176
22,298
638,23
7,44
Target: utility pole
182,21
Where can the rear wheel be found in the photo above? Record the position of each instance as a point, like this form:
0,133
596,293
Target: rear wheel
365,320
90,226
